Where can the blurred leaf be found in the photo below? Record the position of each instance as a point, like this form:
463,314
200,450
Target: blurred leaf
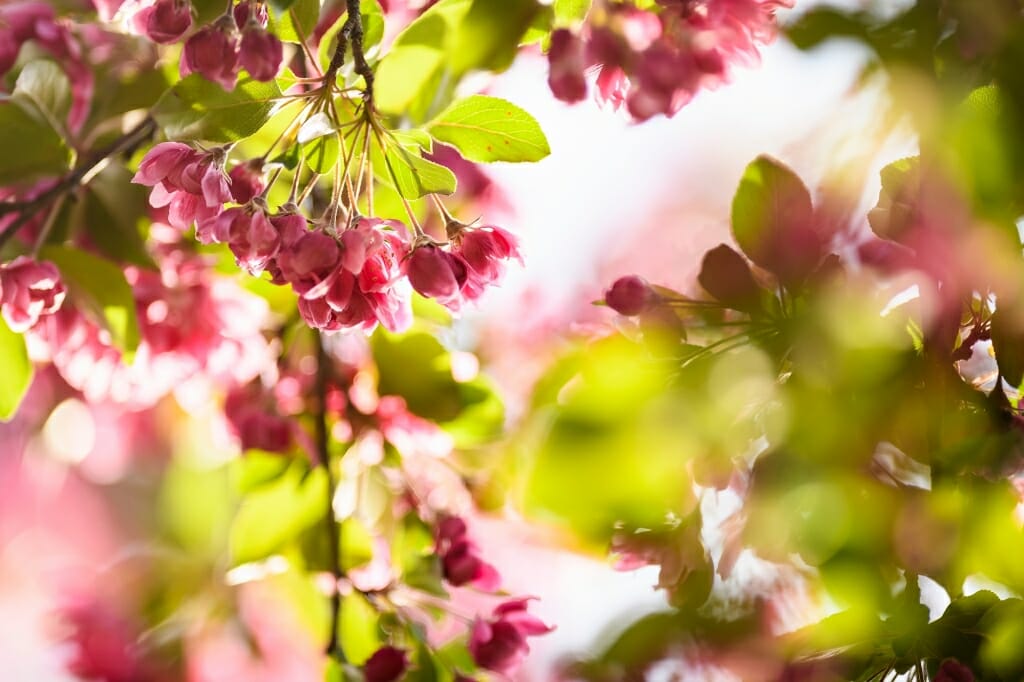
46,86
416,366
15,368
100,289
293,21
196,109
416,59
898,199
726,276
257,468
772,220
1007,330
483,417
359,635
489,34
569,11
272,516
195,507
137,91
821,24
487,129
31,146
113,207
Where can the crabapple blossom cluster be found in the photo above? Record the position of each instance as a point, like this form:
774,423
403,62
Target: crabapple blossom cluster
238,39
655,62
351,276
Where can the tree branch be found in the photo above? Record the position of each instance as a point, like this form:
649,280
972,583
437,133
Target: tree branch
333,528
78,176
352,33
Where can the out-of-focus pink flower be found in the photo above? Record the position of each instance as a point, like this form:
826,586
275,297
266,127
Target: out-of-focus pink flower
499,644
566,66
103,644
260,53
249,412
629,295
192,326
213,52
247,11
29,290
387,664
460,560
165,21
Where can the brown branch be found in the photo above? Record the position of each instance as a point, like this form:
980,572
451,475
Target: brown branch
73,179
352,33
333,528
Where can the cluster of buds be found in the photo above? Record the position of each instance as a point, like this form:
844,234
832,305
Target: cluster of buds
350,271
655,62
236,40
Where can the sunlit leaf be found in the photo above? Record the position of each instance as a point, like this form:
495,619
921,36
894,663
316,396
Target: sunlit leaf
196,109
16,369
489,129
31,146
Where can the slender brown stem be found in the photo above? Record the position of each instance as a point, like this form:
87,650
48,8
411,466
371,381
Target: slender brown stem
333,528
80,175
352,33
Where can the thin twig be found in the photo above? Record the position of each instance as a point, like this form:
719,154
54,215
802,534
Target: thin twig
333,528
76,177
352,33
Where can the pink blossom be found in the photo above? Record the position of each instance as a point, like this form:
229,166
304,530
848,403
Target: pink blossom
460,560
260,53
953,670
249,234
29,290
192,185
387,664
102,644
213,52
248,11
250,413
499,644
164,21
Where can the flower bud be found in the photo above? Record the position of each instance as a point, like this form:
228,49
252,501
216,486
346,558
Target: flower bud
212,52
435,273
29,290
387,664
165,21
629,295
566,66
260,53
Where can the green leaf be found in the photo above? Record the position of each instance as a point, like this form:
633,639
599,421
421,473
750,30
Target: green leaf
294,20
112,209
487,129
46,86
196,109
16,369
570,11
359,634
772,220
489,35
273,515
416,366
31,146
100,289
415,60
415,176
322,153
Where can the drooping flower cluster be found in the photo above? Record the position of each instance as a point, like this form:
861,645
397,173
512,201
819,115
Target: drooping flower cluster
236,40
29,290
460,271
251,413
655,62
355,276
